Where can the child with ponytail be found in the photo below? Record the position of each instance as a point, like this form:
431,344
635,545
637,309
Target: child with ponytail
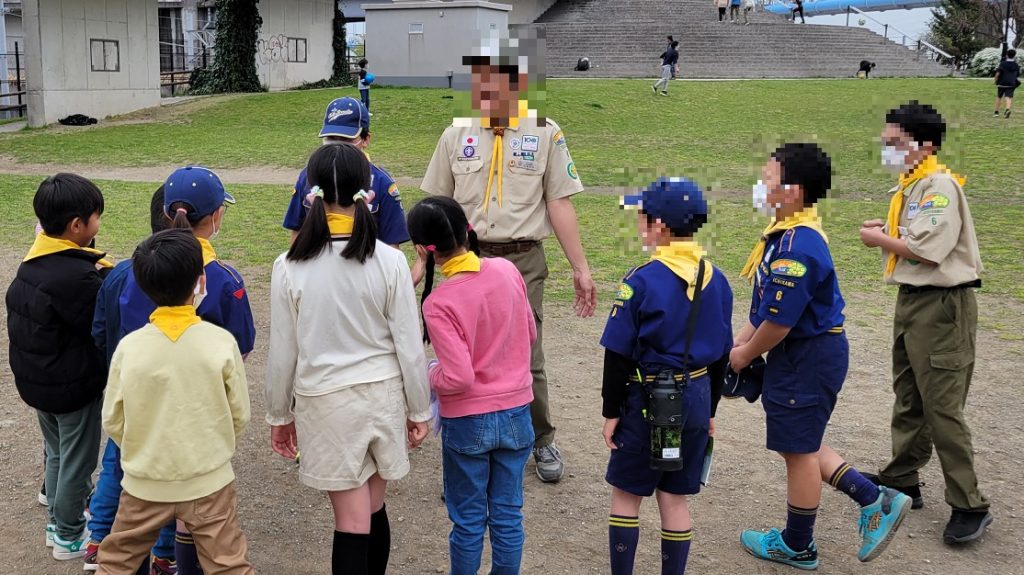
346,378
482,328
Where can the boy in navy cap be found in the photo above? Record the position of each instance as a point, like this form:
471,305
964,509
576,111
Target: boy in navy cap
796,316
348,120
649,333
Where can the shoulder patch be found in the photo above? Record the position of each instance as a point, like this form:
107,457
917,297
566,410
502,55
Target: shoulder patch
393,191
571,168
239,293
791,268
933,202
625,292
559,139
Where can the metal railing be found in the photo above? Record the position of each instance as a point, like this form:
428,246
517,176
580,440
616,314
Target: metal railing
8,97
899,36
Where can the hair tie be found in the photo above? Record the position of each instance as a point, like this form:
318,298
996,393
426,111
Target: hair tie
365,196
431,248
469,227
314,192
182,211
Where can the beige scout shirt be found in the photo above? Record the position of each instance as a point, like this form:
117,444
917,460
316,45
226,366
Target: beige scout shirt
937,225
536,169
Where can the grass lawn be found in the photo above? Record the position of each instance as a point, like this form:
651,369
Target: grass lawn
714,131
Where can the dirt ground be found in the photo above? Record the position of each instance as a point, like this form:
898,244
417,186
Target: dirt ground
289,526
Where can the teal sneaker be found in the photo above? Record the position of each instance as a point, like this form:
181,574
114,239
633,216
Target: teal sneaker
51,530
770,547
66,549
880,520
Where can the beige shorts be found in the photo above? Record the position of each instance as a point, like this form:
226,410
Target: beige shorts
348,435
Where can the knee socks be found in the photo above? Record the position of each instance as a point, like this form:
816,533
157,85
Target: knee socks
380,542
675,549
623,535
350,554
853,484
185,554
799,527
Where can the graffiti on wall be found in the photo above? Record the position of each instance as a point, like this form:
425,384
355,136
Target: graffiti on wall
272,49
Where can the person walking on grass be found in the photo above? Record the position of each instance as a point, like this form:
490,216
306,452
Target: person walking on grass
1007,80
669,59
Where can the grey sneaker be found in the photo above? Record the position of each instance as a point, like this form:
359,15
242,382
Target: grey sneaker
549,463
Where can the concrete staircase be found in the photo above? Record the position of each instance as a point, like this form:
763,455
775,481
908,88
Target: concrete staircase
623,39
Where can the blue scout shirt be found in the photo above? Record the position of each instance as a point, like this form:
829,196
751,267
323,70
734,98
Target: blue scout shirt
106,321
226,305
648,320
387,207
796,285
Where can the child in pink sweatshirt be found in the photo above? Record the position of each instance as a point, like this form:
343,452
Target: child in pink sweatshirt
482,327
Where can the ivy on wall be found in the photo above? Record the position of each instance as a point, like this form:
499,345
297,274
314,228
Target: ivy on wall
340,73
234,65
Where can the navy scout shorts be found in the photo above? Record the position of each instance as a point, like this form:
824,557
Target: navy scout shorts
629,467
801,383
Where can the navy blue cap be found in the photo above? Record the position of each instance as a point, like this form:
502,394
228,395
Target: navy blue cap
674,201
747,383
345,118
198,187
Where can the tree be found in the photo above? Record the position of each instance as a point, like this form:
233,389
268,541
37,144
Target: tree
234,64
955,27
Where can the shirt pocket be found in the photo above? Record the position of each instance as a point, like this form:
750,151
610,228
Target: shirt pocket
470,180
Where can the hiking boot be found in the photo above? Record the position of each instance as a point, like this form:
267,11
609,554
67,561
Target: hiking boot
41,498
770,547
880,520
549,463
65,549
92,551
158,566
966,526
914,493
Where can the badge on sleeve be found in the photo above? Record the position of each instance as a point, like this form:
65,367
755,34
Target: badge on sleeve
393,191
531,143
625,292
571,168
791,268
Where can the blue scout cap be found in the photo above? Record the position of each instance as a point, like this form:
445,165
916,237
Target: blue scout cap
345,118
747,383
198,187
674,201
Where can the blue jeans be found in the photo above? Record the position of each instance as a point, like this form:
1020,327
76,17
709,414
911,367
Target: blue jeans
484,457
104,503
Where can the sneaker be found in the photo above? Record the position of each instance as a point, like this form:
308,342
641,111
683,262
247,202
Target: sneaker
92,562
1007,114
65,549
770,547
880,520
654,89
158,566
549,463
966,526
996,113
41,497
664,93
914,493
51,530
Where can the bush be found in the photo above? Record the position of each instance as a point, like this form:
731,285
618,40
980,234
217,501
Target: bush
985,62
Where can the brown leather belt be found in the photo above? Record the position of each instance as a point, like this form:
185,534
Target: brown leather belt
507,248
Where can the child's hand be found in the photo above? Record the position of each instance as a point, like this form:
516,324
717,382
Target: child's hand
711,428
738,358
417,432
284,441
608,431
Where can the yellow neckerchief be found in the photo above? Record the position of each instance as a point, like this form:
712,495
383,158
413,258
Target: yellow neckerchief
807,218
498,151
340,224
927,167
683,258
467,262
209,256
45,245
173,321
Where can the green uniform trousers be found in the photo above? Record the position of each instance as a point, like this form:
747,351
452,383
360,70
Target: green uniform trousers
534,267
932,363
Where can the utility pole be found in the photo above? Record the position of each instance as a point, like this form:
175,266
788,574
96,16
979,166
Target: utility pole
3,56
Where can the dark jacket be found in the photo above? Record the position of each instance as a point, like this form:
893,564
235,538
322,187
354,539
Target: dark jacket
57,367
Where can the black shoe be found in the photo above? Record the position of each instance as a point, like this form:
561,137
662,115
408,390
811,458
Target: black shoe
996,113
914,493
1007,115
965,526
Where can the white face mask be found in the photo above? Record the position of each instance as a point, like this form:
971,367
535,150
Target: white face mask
761,200
895,159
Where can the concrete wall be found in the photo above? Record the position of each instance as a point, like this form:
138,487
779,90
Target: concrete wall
15,33
527,11
59,58
299,19
450,31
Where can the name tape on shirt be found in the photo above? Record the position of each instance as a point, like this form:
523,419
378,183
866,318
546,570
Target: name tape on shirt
912,209
791,268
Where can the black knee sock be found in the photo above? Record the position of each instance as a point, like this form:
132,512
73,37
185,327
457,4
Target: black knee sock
350,553
185,554
380,542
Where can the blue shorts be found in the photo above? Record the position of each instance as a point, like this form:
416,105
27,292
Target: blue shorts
629,467
801,383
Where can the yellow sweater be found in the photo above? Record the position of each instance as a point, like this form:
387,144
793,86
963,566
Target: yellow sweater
176,409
